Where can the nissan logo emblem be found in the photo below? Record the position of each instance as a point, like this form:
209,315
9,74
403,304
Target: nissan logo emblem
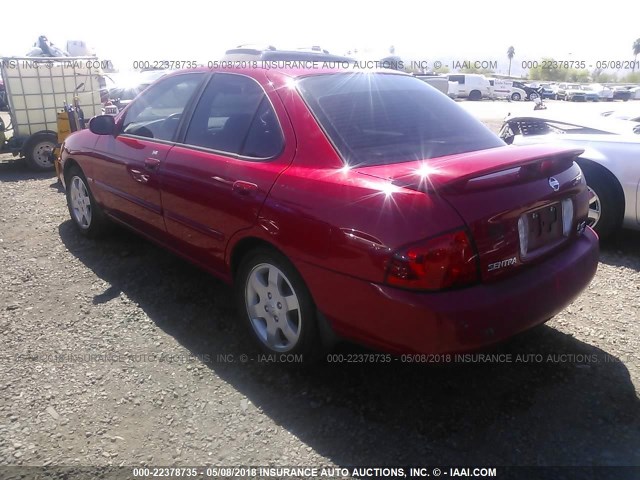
555,184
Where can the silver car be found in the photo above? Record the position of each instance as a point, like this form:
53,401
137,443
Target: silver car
610,162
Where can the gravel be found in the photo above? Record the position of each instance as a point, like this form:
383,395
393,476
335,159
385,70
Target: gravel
119,353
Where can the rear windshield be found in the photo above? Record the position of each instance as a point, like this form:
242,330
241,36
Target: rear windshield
378,118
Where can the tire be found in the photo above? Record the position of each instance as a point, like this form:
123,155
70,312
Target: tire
475,95
37,151
271,295
605,209
516,97
533,96
86,214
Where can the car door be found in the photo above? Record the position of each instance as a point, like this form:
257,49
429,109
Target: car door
215,181
127,175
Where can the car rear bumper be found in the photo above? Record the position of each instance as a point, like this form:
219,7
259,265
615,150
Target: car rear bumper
403,321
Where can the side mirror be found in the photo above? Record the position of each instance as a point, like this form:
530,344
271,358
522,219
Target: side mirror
102,125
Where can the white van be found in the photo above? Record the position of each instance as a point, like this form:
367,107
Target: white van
471,85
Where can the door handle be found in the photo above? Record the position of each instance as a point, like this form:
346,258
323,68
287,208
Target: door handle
151,163
244,188
138,176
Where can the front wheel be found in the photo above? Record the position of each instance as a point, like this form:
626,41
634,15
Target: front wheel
515,97
85,213
276,306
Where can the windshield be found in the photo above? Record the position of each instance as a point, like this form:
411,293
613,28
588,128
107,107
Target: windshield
379,118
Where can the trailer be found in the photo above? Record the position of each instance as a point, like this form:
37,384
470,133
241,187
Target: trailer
36,89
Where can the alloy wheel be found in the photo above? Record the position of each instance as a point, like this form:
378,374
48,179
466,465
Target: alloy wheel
273,308
80,202
595,208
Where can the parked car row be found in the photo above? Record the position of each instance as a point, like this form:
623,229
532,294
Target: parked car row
477,87
593,92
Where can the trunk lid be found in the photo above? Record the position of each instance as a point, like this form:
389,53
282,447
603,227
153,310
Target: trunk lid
520,204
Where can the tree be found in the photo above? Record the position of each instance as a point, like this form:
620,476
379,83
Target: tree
511,52
581,76
544,71
633,77
636,52
596,75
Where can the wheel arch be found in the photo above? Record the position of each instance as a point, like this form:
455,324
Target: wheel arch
243,246
69,163
475,94
585,163
28,141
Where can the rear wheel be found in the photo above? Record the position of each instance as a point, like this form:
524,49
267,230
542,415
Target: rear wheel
605,209
276,306
38,151
85,213
475,95
533,96
516,97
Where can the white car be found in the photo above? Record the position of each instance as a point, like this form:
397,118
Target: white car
609,161
604,93
505,89
571,92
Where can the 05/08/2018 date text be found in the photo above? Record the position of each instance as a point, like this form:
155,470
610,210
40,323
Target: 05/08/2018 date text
582,64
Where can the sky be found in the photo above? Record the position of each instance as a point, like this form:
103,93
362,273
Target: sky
125,31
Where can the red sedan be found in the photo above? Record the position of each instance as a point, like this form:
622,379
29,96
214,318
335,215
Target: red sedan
366,204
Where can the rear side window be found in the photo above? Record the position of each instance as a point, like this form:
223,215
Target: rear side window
376,119
457,78
235,116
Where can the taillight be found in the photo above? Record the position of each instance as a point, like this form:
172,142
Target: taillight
446,261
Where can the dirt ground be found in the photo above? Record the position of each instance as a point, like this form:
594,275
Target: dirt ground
117,352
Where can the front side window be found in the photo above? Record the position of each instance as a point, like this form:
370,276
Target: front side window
235,116
376,119
157,112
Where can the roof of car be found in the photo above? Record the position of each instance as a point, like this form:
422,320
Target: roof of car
293,70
